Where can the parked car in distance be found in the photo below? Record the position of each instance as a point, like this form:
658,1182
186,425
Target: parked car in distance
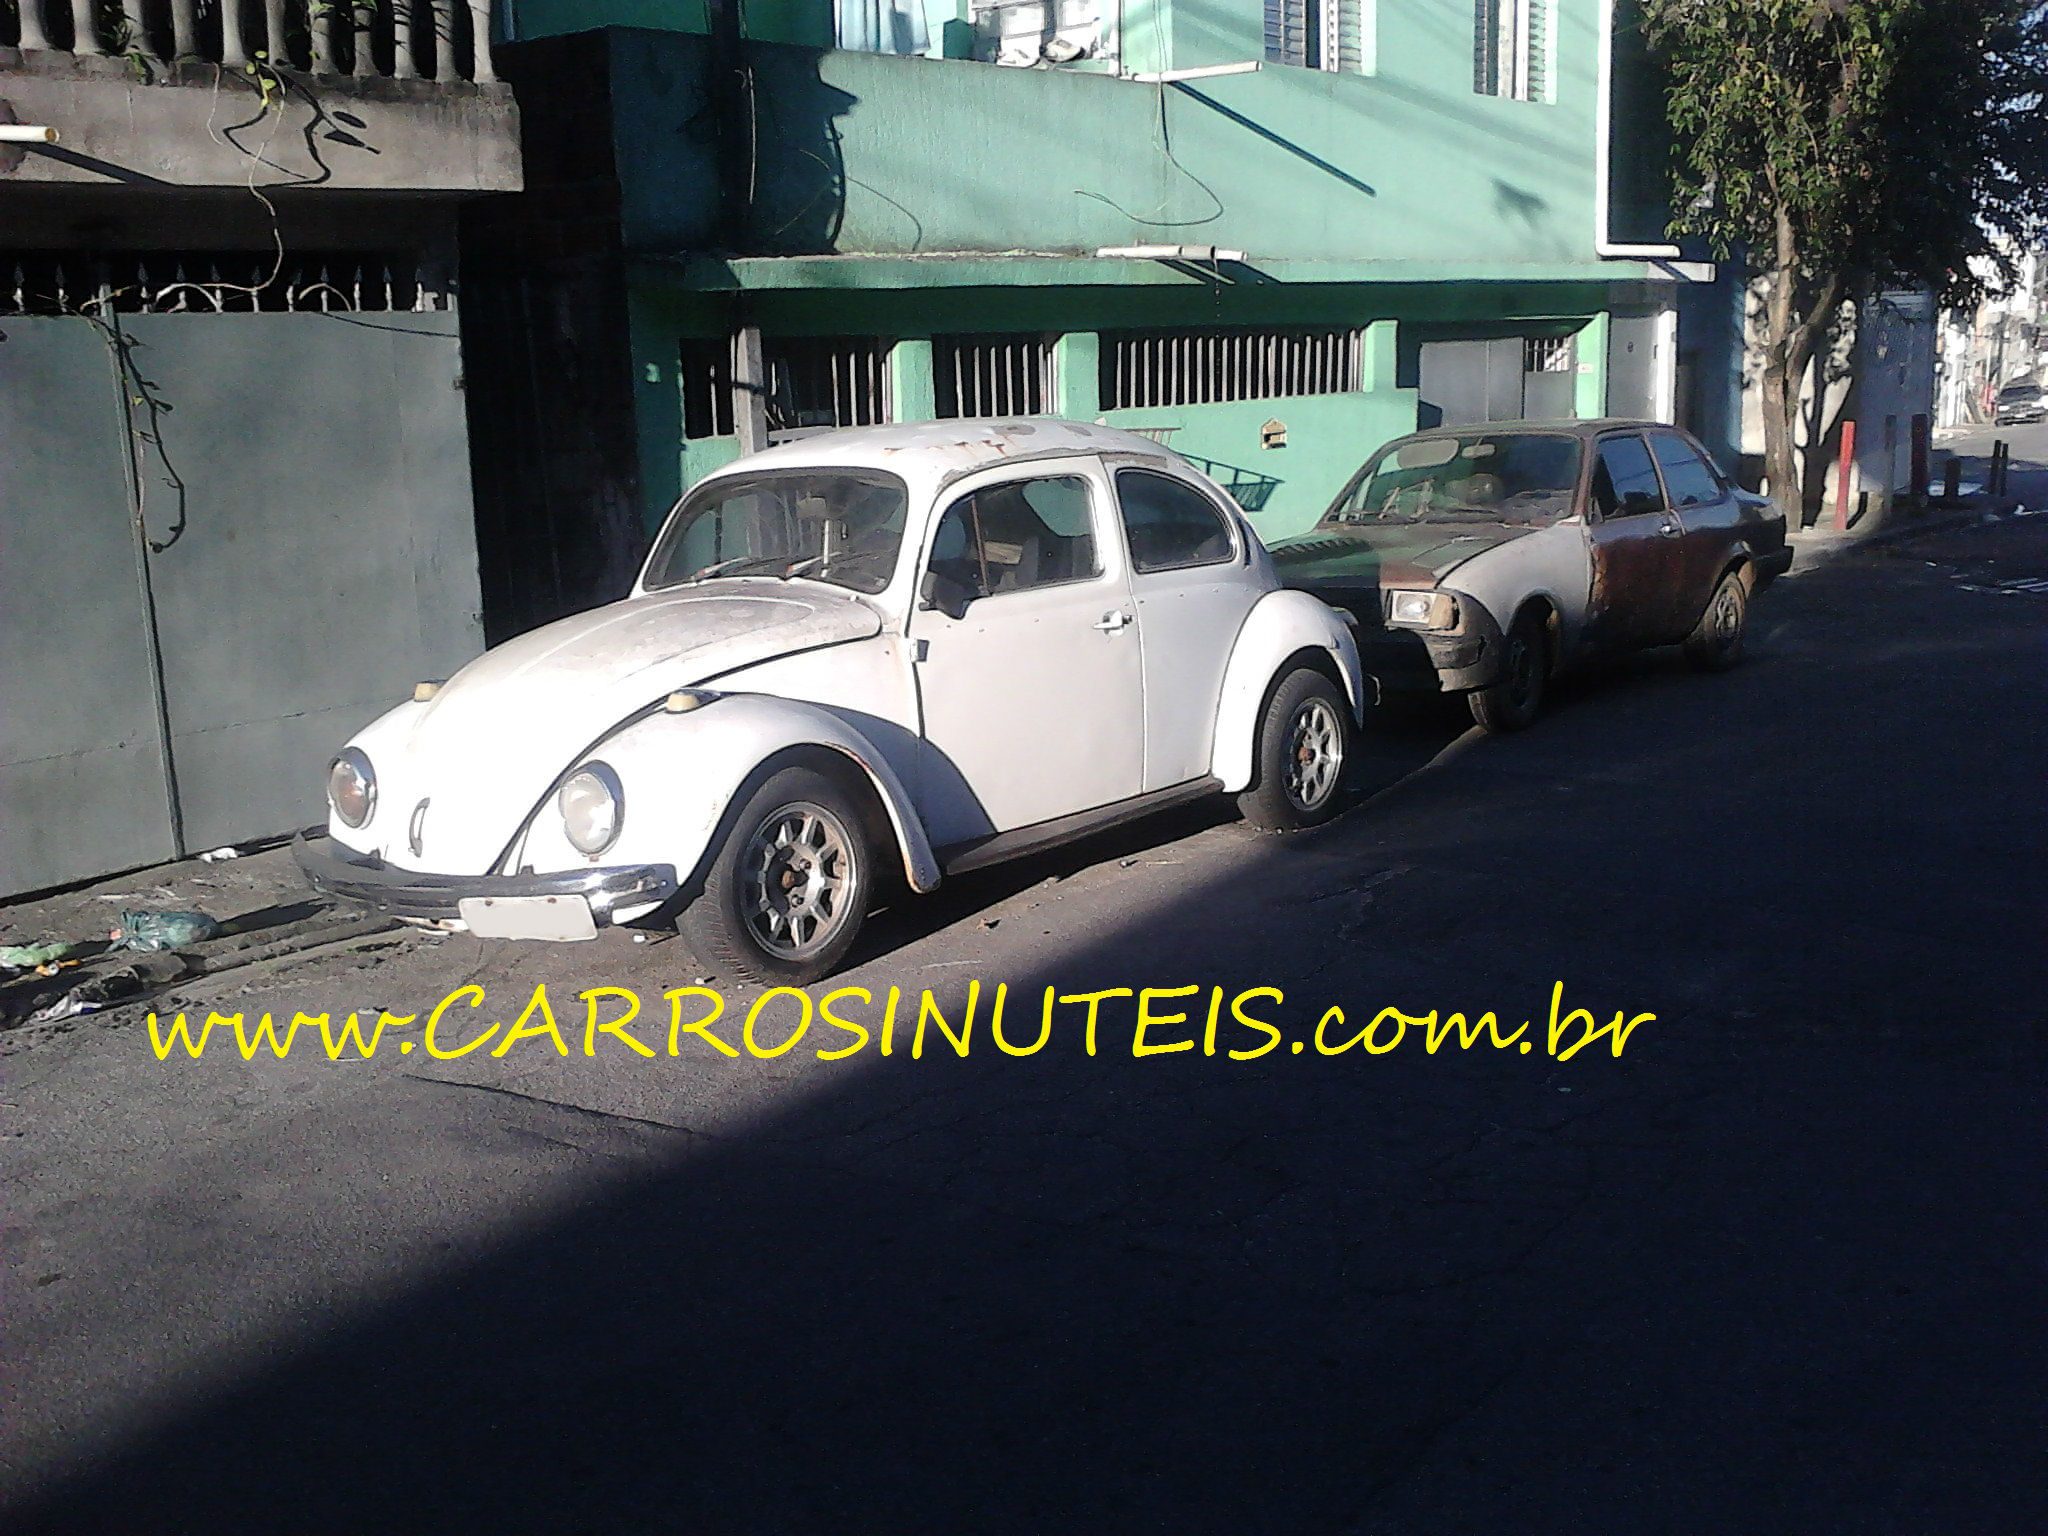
2021,403
919,647
1485,560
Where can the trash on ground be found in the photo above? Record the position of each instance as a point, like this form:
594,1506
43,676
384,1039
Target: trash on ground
30,957
111,987
152,931
218,854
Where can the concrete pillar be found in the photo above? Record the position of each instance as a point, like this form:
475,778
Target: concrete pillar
749,389
1378,368
1077,378
913,395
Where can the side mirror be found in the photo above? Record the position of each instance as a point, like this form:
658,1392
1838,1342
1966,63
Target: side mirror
1637,502
944,594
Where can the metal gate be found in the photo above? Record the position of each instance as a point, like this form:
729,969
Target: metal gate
229,540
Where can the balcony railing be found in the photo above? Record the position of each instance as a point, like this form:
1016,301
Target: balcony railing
397,39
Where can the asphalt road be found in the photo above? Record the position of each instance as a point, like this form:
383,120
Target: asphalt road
1778,1267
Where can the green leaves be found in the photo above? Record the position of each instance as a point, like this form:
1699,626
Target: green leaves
1867,141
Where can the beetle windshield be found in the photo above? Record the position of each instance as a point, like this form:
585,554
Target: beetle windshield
843,526
1502,477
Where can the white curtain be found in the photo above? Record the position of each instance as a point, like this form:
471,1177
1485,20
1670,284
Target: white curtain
881,26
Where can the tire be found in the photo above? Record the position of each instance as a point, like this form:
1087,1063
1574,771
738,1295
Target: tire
1516,698
1716,642
1303,748
787,891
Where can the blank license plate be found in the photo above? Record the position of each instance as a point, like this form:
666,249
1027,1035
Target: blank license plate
528,917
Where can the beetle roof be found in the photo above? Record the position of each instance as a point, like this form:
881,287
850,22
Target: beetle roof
945,450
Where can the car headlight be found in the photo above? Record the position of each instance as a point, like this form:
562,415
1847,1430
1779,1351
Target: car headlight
593,806
352,787
1422,610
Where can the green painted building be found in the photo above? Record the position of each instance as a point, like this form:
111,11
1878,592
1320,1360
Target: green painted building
1271,236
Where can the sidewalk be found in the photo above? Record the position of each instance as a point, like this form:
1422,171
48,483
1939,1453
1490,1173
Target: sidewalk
268,918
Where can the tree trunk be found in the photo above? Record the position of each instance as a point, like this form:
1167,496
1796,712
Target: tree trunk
1794,321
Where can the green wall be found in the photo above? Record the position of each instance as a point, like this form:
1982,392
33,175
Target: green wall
866,153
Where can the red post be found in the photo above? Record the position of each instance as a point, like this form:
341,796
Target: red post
1844,474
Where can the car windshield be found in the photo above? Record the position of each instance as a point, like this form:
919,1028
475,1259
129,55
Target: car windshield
2019,392
1501,477
842,526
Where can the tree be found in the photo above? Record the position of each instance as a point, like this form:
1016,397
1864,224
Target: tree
1850,145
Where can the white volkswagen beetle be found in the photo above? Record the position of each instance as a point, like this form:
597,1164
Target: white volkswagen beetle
928,647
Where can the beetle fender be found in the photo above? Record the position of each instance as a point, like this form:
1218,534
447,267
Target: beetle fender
1280,625
681,773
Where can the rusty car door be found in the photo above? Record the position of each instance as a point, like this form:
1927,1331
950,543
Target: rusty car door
1634,543
1707,512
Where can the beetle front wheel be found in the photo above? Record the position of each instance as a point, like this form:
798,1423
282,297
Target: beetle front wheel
786,893
1304,744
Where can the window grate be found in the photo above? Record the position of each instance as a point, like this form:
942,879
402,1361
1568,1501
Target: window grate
706,372
1548,354
1162,368
210,282
816,383
993,375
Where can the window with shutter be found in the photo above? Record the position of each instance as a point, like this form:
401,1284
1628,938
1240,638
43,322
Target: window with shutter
1333,35
1511,49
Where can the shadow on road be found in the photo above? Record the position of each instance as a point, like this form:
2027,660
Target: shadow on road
1777,1268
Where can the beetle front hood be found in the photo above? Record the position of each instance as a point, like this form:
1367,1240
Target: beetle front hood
1361,555
501,730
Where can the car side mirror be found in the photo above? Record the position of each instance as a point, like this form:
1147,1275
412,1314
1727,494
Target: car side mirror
1637,502
943,593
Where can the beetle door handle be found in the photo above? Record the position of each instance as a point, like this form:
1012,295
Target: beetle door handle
1113,621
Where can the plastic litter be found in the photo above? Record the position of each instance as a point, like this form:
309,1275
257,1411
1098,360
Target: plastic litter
151,931
218,854
112,987
29,957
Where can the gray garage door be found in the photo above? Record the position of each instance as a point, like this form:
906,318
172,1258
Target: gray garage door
186,636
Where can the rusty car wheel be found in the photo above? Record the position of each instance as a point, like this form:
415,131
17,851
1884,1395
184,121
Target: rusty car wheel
1515,698
1715,644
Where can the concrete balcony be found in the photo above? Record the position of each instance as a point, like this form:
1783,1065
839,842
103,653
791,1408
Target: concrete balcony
384,95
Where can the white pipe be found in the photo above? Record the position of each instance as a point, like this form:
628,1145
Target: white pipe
1167,76
1169,253
1603,156
15,133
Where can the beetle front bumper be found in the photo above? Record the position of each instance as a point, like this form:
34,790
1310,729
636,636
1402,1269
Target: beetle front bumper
368,880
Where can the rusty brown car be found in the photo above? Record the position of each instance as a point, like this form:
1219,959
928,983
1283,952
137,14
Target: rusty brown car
1485,560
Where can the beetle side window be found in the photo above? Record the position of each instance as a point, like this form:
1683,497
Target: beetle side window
1017,535
1689,480
1170,524
1624,479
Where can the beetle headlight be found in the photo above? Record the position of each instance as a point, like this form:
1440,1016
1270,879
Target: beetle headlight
1422,610
352,787
593,806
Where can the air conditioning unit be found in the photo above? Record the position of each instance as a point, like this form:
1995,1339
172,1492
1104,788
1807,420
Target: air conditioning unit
1030,34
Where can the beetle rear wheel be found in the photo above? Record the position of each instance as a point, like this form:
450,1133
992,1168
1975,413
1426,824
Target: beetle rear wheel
787,891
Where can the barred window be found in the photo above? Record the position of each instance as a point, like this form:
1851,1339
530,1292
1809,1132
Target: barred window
993,375
706,371
816,383
1162,368
1549,354
1511,49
